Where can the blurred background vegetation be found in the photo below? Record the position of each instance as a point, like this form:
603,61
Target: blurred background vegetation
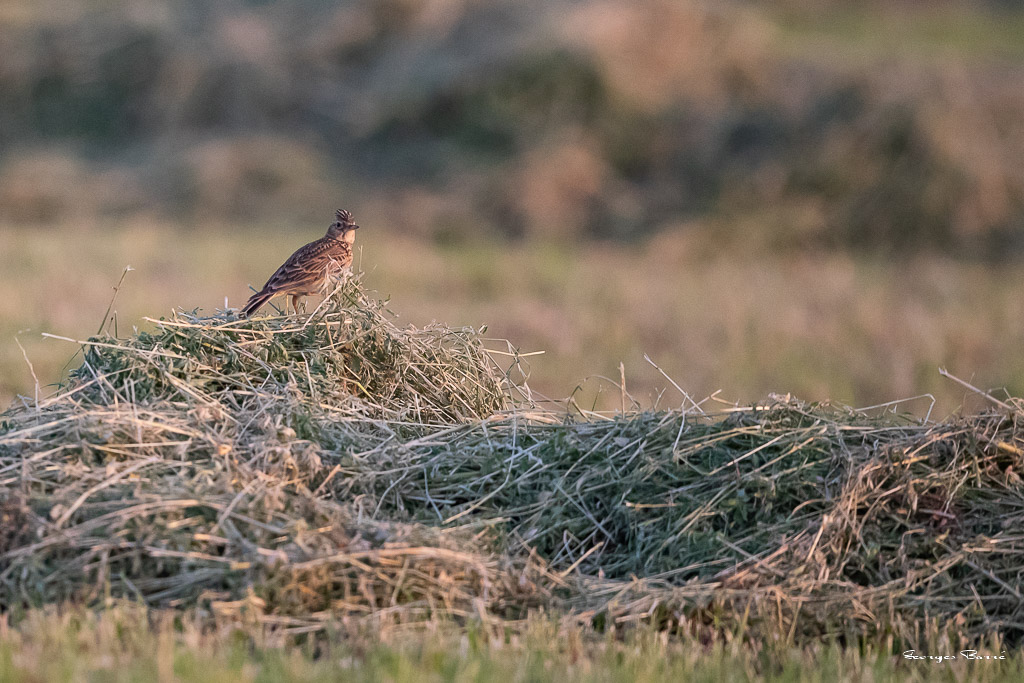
824,198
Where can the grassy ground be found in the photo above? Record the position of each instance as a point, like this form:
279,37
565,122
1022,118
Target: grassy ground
122,645
819,326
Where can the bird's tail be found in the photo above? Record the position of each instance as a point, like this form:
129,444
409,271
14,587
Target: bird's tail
255,301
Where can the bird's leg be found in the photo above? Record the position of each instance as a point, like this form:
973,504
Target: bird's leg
295,304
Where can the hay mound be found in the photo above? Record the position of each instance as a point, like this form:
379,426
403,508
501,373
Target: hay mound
309,467
211,534
347,357
187,466
784,518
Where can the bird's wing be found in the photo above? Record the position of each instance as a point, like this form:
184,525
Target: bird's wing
308,264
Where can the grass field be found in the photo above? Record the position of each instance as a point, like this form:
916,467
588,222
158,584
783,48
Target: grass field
820,326
124,644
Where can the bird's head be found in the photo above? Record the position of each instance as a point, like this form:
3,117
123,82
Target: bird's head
343,227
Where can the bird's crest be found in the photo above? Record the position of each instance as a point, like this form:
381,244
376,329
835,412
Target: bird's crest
343,217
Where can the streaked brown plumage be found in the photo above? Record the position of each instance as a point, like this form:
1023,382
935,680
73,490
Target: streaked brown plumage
306,270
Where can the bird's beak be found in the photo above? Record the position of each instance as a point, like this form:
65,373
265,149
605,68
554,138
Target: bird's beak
355,227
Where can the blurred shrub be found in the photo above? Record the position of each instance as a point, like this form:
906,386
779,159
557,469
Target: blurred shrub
253,177
47,186
43,188
509,109
607,119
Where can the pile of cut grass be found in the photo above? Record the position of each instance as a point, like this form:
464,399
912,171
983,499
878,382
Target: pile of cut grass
347,356
783,518
190,466
307,468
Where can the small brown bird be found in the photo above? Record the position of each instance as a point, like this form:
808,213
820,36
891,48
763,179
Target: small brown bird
310,266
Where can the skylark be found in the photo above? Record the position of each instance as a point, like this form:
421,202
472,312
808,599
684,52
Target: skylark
306,270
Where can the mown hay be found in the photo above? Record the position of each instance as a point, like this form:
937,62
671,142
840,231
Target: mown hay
311,467
346,356
772,516
187,466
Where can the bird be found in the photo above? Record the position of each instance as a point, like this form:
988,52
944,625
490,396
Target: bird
310,266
